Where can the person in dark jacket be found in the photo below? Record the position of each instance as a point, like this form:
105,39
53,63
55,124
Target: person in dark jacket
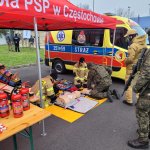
16,42
31,41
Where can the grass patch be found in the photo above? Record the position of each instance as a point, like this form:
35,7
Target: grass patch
24,57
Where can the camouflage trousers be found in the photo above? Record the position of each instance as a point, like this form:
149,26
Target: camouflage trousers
143,117
99,92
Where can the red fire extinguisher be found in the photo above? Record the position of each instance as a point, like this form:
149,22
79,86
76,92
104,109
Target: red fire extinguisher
17,105
4,106
25,98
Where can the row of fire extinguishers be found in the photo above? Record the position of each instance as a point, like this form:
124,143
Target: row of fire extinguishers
19,101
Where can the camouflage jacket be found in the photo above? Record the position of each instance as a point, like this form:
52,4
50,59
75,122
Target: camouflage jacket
138,43
99,75
144,74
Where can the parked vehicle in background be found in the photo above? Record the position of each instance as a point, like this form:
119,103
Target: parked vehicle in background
64,48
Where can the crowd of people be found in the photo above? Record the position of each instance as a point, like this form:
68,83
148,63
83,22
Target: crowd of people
140,85
95,80
13,42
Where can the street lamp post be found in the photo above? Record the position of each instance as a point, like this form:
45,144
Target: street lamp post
149,9
129,11
93,5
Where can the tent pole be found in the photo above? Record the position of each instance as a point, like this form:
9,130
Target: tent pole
48,39
39,71
114,36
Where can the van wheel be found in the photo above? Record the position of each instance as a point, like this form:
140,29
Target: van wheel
59,66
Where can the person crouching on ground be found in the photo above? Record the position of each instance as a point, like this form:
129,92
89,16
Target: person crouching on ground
80,70
98,80
48,89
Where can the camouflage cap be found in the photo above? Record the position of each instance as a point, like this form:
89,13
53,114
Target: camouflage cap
130,32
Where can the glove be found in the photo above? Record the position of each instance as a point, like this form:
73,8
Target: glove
74,74
128,62
78,81
135,90
85,80
53,98
56,89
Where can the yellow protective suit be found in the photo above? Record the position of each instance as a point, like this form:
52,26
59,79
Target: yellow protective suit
81,73
47,88
134,50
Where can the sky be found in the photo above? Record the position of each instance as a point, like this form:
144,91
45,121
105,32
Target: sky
139,7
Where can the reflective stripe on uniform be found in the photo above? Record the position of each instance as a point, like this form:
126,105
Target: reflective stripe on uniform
38,94
43,97
78,78
43,82
82,69
75,68
50,89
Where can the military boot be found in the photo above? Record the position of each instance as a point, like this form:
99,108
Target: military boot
129,104
138,133
116,94
110,96
138,144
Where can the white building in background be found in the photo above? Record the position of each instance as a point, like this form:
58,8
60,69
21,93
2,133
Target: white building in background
26,34
2,40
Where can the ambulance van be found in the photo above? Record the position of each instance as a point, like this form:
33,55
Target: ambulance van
64,48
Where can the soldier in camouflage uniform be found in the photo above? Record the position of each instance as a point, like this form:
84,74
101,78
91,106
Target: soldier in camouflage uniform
142,86
98,80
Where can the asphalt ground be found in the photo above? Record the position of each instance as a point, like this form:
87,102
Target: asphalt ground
107,127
